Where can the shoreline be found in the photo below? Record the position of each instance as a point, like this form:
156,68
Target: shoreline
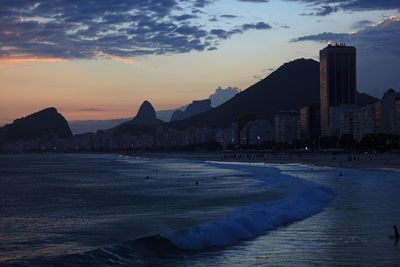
344,161
390,161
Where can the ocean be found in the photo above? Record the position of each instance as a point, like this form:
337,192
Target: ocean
98,210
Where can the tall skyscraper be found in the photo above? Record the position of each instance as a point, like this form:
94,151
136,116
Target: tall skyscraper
310,121
337,81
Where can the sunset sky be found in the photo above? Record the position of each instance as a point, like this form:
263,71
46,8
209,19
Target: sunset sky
102,59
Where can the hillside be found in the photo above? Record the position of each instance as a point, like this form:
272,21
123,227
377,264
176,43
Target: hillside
45,122
291,86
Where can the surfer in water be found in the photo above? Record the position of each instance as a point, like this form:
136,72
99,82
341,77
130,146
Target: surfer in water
396,232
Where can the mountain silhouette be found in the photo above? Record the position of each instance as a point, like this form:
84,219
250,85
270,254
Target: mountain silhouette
178,115
146,115
293,85
45,122
196,107
142,123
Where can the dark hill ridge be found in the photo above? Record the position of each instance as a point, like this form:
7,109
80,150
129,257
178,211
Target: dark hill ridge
45,122
196,107
291,86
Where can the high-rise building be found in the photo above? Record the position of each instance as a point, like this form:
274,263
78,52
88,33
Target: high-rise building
337,81
256,132
310,122
241,122
390,112
286,126
397,116
367,120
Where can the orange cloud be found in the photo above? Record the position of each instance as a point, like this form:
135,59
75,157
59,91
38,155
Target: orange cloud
120,59
385,20
30,59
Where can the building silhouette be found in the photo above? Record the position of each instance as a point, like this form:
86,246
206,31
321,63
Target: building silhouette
310,122
286,126
337,82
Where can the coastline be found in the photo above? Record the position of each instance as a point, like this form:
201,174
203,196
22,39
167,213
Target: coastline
380,161
345,161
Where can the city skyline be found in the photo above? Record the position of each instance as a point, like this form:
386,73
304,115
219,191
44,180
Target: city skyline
49,56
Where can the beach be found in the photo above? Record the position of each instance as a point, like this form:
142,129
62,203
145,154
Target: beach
334,160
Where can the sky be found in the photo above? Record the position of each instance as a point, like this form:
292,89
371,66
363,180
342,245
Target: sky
101,59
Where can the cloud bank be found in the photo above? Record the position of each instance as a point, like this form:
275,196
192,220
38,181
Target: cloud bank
326,7
65,29
378,53
383,36
222,95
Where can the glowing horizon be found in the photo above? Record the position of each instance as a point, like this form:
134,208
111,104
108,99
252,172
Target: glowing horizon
177,52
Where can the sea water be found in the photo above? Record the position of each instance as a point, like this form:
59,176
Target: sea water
355,229
115,210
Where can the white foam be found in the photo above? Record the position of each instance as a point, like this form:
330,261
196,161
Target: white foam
301,199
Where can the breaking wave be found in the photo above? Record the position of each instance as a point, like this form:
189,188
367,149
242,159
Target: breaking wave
301,200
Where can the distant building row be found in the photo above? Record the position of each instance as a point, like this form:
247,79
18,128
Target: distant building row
381,117
375,118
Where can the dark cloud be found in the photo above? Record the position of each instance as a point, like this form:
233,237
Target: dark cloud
370,5
383,36
227,16
323,37
378,53
202,3
213,19
361,24
91,109
257,26
223,34
92,29
255,1
322,11
326,7
184,17
326,10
